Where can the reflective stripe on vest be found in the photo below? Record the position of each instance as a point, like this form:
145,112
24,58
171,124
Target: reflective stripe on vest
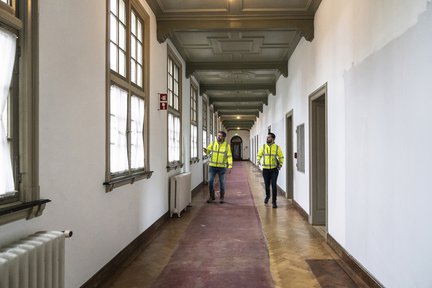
224,162
269,156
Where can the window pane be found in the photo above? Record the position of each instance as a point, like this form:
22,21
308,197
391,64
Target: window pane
113,57
118,126
137,136
7,52
173,138
139,75
122,12
139,31
139,53
204,140
133,23
194,141
113,7
133,71
122,63
122,37
113,29
133,47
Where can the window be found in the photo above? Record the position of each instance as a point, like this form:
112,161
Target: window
19,178
127,115
204,121
174,111
194,123
211,124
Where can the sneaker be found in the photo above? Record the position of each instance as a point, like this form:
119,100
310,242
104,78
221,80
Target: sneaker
210,200
274,205
222,201
266,200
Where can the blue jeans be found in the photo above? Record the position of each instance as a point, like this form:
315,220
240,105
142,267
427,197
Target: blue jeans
212,173
270,177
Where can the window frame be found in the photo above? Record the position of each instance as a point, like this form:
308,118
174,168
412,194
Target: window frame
204,123
23,22
129,176
194,120
171,165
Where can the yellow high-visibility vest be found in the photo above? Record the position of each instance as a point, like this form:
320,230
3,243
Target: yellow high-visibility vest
272,156
220,154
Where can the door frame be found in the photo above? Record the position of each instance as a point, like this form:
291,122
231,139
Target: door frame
289,157
318,93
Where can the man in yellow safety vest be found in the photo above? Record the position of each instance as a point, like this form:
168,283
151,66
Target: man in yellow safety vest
272,162
220,160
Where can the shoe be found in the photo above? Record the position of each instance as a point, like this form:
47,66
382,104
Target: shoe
266,200
274,205
222,201
210,200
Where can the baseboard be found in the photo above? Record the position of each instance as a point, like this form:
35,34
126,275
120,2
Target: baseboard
198,188
353,264
127,255
281,192
301,211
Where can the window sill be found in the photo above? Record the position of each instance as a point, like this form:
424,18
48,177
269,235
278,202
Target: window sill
174,165
17,211
118,181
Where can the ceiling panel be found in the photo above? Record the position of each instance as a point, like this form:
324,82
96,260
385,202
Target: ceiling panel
276,5
177,6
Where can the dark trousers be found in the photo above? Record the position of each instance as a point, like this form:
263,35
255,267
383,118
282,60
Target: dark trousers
270,177
212,174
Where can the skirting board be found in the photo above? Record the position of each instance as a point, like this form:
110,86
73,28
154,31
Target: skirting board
126,256
356,267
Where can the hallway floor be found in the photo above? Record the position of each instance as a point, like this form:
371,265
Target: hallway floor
299,256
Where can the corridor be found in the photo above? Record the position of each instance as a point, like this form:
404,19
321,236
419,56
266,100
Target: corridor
298,255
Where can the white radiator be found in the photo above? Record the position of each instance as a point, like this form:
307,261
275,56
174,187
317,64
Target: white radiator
180,193
35,261
205,172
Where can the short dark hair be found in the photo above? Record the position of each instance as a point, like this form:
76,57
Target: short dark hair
272,135
223,133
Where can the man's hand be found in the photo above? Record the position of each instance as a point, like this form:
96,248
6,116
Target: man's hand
205,150
229,170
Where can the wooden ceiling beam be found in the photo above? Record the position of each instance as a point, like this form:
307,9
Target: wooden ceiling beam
281,66
238,87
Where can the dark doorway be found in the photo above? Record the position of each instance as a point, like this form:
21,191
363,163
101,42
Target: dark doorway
236,147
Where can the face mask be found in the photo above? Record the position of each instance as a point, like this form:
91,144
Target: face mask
269,141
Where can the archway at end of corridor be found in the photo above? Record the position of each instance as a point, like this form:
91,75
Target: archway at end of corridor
237,148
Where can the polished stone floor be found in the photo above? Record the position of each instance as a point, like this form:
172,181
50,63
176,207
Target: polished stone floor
299,256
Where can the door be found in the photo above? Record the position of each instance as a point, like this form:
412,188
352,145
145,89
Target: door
318,158
236,147
289,158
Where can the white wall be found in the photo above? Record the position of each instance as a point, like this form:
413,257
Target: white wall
375,58
72,142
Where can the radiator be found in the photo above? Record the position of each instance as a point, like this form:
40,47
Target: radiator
35,261
205,172
180,193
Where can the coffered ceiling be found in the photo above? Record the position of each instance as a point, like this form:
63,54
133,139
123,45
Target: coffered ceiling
236,49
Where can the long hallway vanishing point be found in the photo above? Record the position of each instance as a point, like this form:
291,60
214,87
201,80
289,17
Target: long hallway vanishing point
185,254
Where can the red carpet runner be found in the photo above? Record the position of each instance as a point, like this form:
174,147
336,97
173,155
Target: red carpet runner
224,245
